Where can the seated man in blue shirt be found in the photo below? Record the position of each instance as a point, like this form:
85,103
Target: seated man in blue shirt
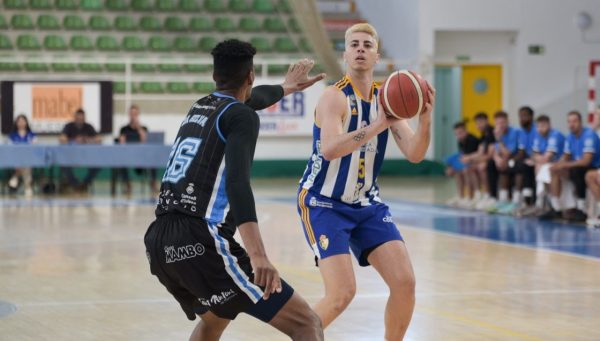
505,150
547,148
524,185
581,154
463,172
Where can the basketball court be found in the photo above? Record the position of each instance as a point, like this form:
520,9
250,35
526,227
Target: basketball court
75,268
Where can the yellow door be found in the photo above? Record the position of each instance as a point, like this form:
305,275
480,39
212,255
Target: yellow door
481,92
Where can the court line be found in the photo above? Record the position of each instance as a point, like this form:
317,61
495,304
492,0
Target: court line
481,324
529,247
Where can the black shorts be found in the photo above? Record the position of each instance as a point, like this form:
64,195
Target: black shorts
205,269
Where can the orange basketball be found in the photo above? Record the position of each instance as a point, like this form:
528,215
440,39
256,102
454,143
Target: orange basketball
404,94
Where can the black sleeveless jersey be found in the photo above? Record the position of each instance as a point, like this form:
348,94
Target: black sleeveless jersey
194,181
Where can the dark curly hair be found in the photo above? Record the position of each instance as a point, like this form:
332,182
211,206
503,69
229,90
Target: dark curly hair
233,61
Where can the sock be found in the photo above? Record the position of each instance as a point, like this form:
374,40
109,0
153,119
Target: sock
581,204
503,195
516,199
555,203
539,201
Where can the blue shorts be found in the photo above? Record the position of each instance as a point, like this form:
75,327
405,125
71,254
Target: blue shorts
332,227
454,162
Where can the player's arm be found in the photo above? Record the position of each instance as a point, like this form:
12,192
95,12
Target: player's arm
414,144
585,161
240,128
296,79
330,112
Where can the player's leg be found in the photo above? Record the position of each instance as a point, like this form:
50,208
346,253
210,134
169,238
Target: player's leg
298,321
555,193
340,287
210,328
392,262
492,178
577,177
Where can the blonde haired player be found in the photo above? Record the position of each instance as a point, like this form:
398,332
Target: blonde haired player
338,198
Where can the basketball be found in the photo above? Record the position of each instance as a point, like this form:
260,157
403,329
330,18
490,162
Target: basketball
404,94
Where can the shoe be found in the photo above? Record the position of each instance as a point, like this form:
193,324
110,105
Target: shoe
575,215
28,192
13,183
466,203
593,222
509,208
527,211
550,215
453,202
485,204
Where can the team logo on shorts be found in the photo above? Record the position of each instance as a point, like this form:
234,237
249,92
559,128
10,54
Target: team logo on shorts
219,299
323,242
388,219
175,254
190,188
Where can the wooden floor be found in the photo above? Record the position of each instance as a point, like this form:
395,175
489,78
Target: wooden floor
79,272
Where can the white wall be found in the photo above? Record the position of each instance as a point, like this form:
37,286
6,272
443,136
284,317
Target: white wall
552,83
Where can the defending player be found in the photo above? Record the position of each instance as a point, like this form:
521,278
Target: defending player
206,193
338,198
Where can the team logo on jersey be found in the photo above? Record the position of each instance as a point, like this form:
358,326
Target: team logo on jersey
180,253
190,188
323,242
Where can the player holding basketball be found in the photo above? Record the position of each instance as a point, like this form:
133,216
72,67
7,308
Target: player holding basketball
206,194
338,198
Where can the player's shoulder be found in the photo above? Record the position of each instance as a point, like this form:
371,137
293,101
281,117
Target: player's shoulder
333,94
241,111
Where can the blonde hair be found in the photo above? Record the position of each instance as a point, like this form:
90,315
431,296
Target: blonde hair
365,28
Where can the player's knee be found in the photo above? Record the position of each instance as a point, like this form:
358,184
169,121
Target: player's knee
590,178
404,285
309,323
341,297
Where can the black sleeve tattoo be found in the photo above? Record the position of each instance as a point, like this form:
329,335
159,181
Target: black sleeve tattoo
360,136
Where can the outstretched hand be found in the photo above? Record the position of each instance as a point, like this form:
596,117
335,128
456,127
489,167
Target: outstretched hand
297,78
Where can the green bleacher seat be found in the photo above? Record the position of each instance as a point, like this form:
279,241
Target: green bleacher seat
158,44
151,87
284,6
90,67
119,88
174,24
197,68
263,6
305,45
116,5
21,22
66,5
204,87
261,44
15,4
142,5
294,26
285,45
178,88
99,23
91,5
81,43
3,23
215,6
47,22
239,6
185,44
189,6
125,23
73,23
64,67
224,24
166,5
5,43
151,24
133,43
10,67
200,24
142,67
54,42
35,67
115,67
277,68
249,24
274,24
40,4
107,43
169,68
28,42
207,43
